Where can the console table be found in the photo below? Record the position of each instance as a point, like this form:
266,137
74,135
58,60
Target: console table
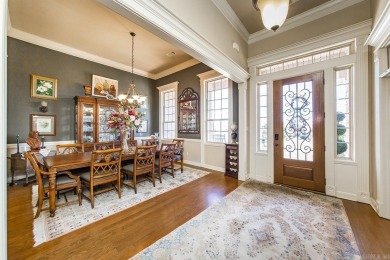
19,163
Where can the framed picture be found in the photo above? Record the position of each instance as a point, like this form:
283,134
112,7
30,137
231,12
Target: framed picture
43,87
104,87
44,124
143,127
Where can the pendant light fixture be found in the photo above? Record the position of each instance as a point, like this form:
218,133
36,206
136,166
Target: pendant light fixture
273,12
131,99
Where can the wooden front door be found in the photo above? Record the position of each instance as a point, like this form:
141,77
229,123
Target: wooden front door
299,136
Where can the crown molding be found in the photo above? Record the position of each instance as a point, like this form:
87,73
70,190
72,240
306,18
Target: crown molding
342,35
380,35
33,39
303,18
152,15
176,68
233,19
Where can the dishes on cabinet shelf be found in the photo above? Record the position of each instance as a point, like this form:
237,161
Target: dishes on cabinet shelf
108,113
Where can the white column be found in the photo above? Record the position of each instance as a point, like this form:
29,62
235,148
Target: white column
3,130
362,136
243,134
381,195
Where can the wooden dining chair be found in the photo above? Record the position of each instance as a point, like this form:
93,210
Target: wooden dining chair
149,141
132,144
142,166
64,180
70,148
179,153
165,159
105,169
103,146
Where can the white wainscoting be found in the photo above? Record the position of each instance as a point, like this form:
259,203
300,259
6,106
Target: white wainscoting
214,155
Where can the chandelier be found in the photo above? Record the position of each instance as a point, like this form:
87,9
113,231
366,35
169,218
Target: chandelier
132,99
273,12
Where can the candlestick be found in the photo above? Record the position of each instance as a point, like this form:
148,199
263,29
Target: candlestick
43,142
17,144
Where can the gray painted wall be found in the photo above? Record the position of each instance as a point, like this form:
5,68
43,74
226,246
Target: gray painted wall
188,78
72,74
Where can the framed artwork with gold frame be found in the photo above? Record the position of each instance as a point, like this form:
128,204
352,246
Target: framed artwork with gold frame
43,87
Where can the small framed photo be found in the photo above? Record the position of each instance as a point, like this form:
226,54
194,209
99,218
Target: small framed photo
104,87
143,127
44,124
43,87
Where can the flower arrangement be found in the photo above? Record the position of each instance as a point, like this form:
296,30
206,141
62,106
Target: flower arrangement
44,87
124,119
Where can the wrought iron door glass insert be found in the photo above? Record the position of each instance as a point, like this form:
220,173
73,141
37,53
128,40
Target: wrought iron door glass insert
298,121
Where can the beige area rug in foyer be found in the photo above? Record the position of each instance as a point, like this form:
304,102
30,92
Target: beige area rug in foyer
72,216
262,221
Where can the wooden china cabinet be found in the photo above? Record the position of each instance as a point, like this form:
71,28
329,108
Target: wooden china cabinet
92,114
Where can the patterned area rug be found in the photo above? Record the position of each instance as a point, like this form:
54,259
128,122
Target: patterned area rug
262,221
72,216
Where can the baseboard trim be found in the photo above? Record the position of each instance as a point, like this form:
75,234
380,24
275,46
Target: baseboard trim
375,205
211,167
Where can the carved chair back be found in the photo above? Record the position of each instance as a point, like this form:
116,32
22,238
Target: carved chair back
70,148
103,146
149,142
105,165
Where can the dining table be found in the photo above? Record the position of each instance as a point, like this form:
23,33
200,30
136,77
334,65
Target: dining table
66,162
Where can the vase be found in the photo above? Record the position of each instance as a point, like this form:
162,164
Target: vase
125,147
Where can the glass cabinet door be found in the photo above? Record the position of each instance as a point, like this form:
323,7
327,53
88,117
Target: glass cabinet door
106,134
88,122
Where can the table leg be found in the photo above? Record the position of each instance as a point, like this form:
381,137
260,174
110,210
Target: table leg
12,177
52,194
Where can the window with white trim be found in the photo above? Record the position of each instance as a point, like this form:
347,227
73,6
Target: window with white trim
169,114
302,60
262,117
217,110
343,112
168,108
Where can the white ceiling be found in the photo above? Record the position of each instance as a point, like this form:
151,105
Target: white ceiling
89,30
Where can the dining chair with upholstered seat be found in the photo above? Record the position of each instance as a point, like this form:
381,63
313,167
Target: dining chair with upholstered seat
142,166
179,151
64,180
165,159
105,169
132,143
70,148
149,141
103,146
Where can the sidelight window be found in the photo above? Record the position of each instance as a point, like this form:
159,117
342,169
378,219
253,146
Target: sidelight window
343,112
262,117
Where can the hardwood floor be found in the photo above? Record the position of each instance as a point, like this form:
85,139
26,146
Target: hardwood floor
128,232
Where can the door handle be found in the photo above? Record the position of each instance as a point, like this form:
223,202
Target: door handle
276,137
